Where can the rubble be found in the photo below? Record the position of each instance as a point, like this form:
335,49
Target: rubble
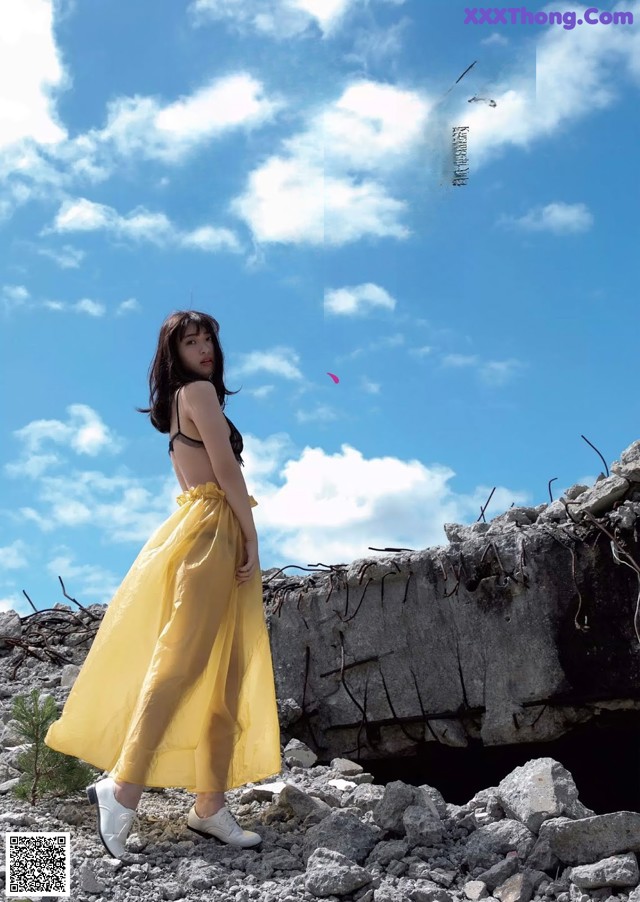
326,840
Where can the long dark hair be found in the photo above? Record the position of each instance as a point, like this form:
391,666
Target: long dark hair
167,374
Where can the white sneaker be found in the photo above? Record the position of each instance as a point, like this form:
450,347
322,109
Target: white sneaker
224,827
114,819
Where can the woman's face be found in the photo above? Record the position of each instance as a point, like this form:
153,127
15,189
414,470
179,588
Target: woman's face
196,351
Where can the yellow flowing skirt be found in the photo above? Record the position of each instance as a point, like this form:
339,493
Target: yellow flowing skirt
178,687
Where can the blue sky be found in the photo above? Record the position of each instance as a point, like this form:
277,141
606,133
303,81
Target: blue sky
286,167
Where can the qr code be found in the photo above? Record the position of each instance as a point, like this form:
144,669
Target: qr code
38,864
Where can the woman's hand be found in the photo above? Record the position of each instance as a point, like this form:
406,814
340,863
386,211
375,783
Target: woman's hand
251,563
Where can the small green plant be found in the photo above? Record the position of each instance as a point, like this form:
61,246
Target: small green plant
44,771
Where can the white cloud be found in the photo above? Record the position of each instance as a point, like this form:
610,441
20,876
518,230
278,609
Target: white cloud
129,306
13,602
139,225
319,413
558,218
30,72
357,300
13,557
83,215
373,127
32,466
121,507
14,297
280,361
208,238
459,360
495,38
92,308
83,580
492,372
375,44
332,507
279,19
67,257
141,127
136,128
311,195
84,432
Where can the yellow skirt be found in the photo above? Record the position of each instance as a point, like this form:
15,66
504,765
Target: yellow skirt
178,687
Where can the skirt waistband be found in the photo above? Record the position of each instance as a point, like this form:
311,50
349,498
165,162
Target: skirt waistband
206,490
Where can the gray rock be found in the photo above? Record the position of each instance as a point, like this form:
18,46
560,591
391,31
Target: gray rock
539,790
592,838
329,872
345,767
602,496
289,711
421,826
11,628
343,832
397,797
365,797
475,889
387,851
518,888
428,894
436,797
489,844
301,803
617,870
542,857
299,754
499,872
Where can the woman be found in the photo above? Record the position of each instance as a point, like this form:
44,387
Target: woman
177,688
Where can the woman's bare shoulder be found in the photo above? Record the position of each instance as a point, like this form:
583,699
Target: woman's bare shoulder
200,393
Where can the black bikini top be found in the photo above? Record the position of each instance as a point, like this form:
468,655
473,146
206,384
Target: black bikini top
235,438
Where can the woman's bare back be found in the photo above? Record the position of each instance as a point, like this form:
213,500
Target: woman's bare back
192,465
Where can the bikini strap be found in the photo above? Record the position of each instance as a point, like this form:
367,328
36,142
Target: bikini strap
178,406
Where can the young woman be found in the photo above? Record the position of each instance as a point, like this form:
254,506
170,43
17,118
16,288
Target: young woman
178,688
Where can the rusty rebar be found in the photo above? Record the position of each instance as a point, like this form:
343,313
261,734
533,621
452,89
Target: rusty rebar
486,504
597,452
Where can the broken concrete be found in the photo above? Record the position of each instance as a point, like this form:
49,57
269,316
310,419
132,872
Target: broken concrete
338,851
517,631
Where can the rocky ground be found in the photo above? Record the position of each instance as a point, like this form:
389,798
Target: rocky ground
330,832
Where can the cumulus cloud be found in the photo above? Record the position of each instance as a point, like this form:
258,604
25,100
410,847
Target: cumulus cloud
357,300
321,506
309,193
137,128
83,215
558,218
84,432
131,305
13,557
84,306
123,508
143,127
14,296
31,71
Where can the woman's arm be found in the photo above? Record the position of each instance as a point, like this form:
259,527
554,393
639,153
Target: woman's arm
201,401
